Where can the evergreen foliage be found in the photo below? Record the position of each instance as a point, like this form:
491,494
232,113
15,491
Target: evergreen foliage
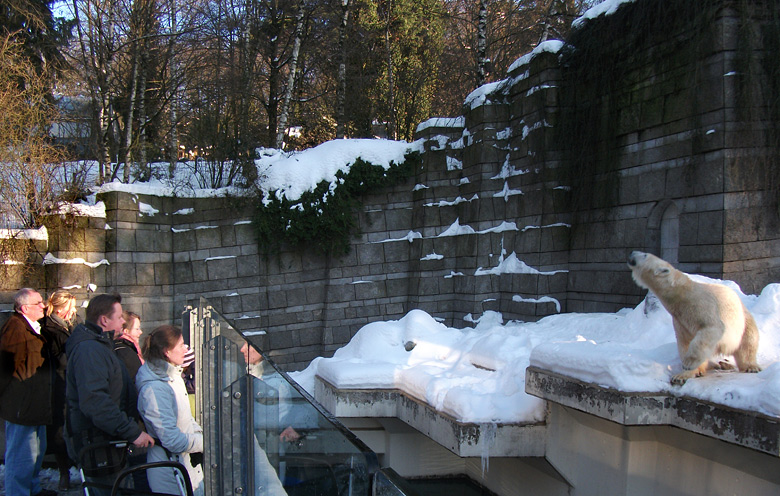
31,25
324,219
415,46
396,65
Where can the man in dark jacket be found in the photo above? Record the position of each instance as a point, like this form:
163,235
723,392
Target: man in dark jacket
25,394
100,398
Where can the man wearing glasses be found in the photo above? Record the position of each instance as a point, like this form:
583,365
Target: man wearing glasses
25,394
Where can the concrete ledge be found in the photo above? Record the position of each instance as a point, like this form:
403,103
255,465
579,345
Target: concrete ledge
463,439
744,428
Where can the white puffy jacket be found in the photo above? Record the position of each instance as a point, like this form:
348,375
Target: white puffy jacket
165,409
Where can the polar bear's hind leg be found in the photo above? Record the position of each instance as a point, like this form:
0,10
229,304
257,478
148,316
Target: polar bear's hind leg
745,356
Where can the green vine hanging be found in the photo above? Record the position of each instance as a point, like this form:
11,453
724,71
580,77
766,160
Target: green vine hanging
324,219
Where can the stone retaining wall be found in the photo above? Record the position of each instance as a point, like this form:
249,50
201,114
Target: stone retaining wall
678,167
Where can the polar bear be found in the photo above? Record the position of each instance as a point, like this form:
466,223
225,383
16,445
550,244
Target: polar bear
709,319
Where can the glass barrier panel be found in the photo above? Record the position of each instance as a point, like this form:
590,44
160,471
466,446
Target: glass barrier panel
265,434
388,483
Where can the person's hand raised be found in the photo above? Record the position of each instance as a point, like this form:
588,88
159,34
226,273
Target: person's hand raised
290,435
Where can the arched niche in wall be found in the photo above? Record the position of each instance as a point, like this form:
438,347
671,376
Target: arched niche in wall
663,231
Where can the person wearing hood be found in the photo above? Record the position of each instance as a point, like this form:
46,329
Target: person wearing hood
101,399
164,405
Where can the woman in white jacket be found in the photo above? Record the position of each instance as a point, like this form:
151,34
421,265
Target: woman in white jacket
165,409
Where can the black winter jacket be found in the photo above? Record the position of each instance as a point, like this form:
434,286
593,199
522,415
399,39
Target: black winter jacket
99,393
128,354
56,332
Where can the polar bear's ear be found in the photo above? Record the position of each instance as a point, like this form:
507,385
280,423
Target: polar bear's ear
661,271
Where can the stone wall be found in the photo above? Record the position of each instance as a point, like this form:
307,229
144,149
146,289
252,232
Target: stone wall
560,167
688,166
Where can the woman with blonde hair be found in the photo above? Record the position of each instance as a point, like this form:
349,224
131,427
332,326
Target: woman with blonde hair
127,345
56,325
165,409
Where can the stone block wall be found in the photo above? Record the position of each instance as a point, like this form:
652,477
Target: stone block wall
558,168
688,146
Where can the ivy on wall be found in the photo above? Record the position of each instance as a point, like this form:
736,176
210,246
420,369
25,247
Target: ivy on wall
324,219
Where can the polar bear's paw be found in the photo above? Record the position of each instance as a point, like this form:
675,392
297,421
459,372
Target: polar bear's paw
723,365
679,379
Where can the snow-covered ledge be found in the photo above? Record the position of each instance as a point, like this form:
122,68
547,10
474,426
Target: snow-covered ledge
462,438
743,428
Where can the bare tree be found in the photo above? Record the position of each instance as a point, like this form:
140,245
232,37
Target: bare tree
29,160
341,88
293,69
142,28
491,35
95,21
555,16
391,110
223,77
482,59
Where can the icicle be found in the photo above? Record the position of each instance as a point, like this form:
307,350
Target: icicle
487,439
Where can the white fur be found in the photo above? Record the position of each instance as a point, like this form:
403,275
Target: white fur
709,319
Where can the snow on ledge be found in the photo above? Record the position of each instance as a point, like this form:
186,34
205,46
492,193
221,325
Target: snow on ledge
550,46
456,229
479,96
608,7
478,374
543,299
410,237
50,259
456,122
81,209
290,175
513,265
40,234
156,189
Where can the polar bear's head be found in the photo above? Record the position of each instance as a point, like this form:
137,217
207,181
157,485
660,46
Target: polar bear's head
653,273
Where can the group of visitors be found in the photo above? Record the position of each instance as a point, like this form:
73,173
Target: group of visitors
69,386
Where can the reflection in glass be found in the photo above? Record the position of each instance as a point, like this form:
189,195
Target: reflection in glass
263,433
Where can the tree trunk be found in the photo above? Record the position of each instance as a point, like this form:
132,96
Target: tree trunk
174,134
142,119
392,125
341,95
281,128
482,61
95,59
248,50
129,117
